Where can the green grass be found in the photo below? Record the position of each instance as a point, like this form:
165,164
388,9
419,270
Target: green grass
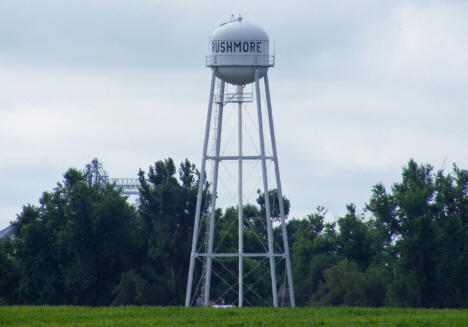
178,316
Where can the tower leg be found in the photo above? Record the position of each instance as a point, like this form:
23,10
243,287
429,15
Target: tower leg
267,197
211,225
280,194
201,185
240,208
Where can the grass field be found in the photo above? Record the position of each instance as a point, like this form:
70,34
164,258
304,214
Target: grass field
178,316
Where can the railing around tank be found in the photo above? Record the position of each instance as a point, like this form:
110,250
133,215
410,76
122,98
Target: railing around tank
240,60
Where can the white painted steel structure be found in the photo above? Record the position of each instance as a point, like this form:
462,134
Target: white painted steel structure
96,174
240,56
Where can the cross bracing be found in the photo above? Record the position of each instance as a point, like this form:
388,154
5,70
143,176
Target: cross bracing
236,258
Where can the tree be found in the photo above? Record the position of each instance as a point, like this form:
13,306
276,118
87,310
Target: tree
133,289
9,274
406,218
353,240
451,201
313,225
345,284
313,249
167,208
73,248
274,205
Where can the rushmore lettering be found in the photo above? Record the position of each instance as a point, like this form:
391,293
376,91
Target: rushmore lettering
236,47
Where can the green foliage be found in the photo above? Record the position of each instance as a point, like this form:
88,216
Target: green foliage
73,248
451,202
422,226
313,249
87,246
353,241
345,284
9,273
407,217
312,225
134,290
376,281
274,205
167,209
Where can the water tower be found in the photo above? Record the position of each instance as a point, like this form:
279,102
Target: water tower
239,59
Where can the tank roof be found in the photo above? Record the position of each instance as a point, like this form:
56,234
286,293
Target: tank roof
239,30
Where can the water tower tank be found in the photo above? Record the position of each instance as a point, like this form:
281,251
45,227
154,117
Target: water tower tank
237,47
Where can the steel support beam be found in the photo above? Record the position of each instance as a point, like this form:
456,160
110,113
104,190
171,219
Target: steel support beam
280,193
196,227
267,197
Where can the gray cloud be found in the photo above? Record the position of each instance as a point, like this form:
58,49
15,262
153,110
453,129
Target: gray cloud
357,90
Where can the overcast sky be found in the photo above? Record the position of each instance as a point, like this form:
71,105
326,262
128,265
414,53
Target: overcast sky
359,88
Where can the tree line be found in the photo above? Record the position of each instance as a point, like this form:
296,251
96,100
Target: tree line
86,245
